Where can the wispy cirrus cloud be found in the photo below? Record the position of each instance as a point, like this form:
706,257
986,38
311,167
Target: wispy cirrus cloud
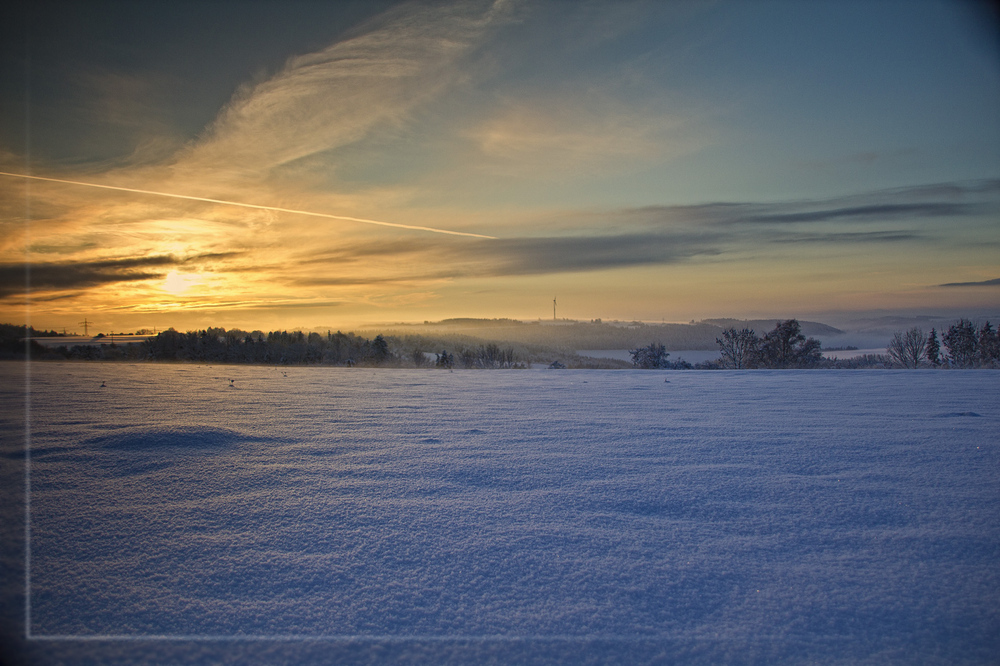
328,99
571,132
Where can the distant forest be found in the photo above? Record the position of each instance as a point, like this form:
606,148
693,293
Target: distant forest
218,345
450,345
12,338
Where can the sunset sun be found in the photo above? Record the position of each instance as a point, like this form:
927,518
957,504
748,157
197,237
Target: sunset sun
179,283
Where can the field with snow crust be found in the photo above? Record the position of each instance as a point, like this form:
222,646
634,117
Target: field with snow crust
534,515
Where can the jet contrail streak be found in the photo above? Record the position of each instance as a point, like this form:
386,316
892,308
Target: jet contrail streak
257,206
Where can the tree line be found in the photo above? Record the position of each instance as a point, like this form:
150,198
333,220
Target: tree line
218,345
12,340
965,346
783,347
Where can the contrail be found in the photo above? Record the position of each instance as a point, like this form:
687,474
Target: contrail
256,206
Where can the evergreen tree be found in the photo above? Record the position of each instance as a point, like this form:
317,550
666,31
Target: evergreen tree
961,343
445,360
988,346
379,350
933,351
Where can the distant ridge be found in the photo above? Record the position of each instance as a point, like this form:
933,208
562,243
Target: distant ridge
473,321
762,326
565,334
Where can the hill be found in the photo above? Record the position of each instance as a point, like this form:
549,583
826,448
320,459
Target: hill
575,335
564,334
762,326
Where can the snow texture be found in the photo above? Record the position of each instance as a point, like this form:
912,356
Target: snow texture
316,514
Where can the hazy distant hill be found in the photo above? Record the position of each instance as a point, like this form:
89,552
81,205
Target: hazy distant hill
563,334
887,325
574,335
762,326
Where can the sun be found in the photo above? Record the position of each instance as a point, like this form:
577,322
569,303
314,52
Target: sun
179,283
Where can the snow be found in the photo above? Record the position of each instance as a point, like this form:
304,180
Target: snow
690,355
845,354
310,514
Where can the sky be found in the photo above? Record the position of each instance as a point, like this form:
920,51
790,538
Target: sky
270,165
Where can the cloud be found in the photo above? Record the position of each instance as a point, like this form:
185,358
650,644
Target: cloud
851,237
539,256
510,257
861,213
16,278
985,283
328,99
938,200
581,131
596,241
947,190
648,236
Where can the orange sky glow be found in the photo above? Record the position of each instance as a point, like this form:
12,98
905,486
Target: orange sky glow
419,161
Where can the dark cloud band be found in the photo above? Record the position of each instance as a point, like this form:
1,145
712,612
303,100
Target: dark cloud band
985,283
35,277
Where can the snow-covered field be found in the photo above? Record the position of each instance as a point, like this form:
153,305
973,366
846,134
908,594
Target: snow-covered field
353,515
690,355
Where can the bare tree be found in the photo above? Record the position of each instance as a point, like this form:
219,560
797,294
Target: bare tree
907,349
740,349
488,357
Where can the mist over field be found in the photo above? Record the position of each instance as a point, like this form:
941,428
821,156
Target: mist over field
236,514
